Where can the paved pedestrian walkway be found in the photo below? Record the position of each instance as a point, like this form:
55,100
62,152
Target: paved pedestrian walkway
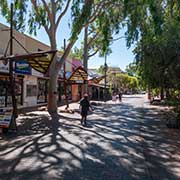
122,141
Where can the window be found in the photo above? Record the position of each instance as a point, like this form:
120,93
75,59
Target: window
31,90
2,101
4,85
6,94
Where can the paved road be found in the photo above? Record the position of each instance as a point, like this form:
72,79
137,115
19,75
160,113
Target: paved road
122,141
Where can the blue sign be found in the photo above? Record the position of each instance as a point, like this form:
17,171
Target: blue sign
22,67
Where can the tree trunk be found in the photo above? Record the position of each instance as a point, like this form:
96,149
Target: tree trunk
53,73
149,93
167,94
85,57
162,93
52,93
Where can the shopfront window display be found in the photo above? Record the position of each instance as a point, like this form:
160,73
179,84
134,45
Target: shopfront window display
42,91
5,91
31,90
2,93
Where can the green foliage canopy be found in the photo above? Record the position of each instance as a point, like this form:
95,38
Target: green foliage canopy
155,26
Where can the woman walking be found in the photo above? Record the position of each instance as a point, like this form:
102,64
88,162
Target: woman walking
84,106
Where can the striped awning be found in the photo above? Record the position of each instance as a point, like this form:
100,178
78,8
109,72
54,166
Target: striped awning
40,61
79,74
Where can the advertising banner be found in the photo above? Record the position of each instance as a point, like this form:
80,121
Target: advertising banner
5,118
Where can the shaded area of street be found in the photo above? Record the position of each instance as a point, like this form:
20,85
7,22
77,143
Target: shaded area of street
127,140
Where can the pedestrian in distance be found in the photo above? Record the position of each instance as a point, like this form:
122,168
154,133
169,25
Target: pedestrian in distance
120,97
84,108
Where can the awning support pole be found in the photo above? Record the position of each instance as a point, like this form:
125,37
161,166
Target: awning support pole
12,83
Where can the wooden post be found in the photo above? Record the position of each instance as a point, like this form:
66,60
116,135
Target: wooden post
13,122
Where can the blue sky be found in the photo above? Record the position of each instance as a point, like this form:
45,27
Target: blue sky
120,56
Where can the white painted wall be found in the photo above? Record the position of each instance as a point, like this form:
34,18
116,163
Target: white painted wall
36,73
4,68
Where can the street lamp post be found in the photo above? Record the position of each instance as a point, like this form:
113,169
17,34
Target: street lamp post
105,80
105,69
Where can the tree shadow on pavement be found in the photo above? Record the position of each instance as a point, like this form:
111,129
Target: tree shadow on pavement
162,145
121,142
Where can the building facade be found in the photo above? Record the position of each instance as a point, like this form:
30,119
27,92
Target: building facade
31,87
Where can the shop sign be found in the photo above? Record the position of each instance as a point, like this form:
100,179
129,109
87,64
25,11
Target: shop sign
4,68
77,81
22,67
5,118
68,74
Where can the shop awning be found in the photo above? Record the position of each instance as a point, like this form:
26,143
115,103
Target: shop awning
79,74
40,61
98,79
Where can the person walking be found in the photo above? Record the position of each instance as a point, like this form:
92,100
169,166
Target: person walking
120,96
84,108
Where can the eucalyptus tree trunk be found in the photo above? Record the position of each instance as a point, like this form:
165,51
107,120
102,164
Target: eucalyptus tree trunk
162,93
149,93
85,56
52,91
53,74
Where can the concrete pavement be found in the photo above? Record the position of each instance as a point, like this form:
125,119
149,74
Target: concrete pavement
127,140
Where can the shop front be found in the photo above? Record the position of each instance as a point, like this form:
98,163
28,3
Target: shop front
96,89
31,87
5,87
76,80
5,91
